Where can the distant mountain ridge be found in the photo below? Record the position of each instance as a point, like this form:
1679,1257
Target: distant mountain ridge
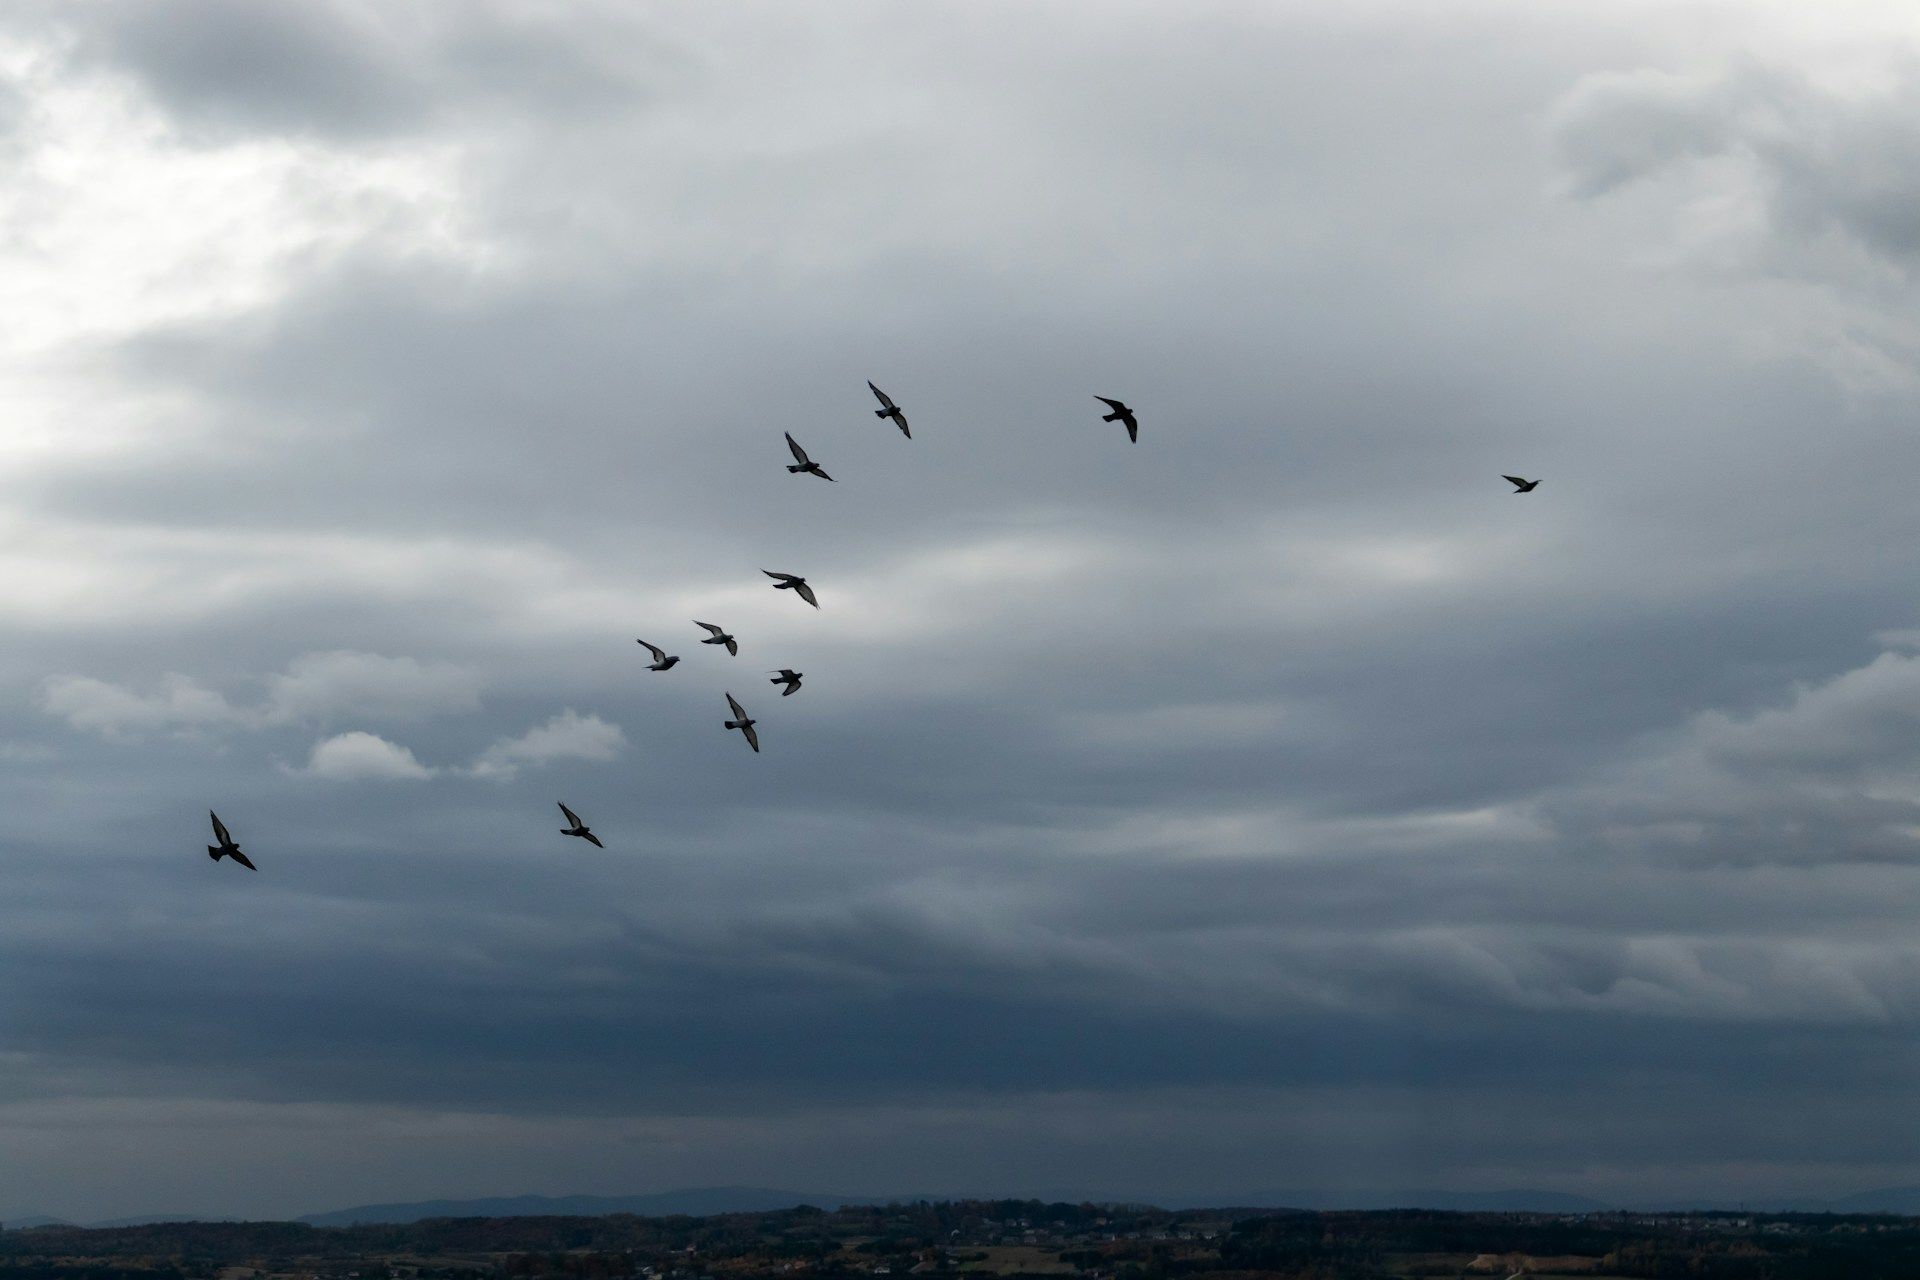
703,1201
707,1201
696,1202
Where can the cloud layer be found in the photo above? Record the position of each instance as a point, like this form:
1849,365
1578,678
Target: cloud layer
1277,801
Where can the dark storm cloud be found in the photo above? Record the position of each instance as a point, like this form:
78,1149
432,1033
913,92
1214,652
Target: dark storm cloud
362,72
1281,783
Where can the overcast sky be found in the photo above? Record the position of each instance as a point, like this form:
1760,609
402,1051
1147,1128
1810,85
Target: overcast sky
1277,802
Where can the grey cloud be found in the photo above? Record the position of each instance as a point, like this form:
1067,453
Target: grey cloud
1826,777
330,68
355,72
568,736
323,685
1819,162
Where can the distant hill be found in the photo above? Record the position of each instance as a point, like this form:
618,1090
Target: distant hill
696,1202
1901,1200
706,1201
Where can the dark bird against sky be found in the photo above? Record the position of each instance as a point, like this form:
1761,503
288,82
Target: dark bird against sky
576,827
662,660
788,677
226,848
741,722
1522,486
804,463
788,582
1121,414
891,410
718,636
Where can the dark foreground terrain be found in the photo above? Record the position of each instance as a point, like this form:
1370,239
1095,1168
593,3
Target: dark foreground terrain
991,1238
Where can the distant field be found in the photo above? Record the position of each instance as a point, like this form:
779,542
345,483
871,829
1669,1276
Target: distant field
1016,1259
1536,1267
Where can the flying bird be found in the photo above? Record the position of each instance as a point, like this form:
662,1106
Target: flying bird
661,659
1522,486
742,723
1121,414
787,582
226,848
891,410
788,677
718,637
579,828
806,464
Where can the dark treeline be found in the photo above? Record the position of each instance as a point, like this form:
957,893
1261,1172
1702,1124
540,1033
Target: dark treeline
1102,1242
617,1232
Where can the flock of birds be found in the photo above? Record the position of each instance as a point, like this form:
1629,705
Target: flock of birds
785,676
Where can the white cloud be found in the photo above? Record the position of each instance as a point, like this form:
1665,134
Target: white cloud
350,757
315,687
568,736
178,704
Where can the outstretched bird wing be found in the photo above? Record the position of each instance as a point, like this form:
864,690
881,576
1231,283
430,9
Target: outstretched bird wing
573,818
1133,429
799,454
733,647
753,739
739,712
709,626
242,859
219,829
659,654
592,839
805,592
780,577
1114,405
885,400
1518,483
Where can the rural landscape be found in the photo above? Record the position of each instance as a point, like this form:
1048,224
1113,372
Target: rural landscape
999,1238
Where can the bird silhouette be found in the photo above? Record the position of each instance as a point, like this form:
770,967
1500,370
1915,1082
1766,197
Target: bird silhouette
806,464
661,659
1121,414
1522,486
718,637
787,582
579,828
788,677
226,848
742,723
891,410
